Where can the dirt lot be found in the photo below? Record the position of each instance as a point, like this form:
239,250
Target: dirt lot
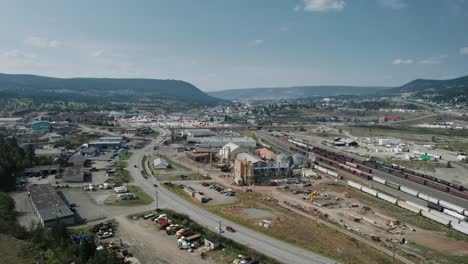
150,245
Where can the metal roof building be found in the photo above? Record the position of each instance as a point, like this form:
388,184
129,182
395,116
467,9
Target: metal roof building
49,206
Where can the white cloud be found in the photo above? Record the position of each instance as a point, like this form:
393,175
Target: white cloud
434,59
18,54
297,8
399,61
42,42
464,51
97,53
284,28
393,4
323,5
256,42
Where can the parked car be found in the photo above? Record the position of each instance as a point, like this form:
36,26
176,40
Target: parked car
134,166
105,235
307,185
155,185
230,229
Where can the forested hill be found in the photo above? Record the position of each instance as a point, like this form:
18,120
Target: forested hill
102,90
452,90
421,85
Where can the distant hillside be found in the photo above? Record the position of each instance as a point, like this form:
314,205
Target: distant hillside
421,85
102,90
293,92
452,90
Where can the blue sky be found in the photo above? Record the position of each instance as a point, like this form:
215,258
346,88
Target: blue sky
224,44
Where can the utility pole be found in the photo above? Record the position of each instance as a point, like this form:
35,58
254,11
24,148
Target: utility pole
157,201
219,229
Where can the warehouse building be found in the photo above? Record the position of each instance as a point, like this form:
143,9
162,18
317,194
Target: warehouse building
48,205
73,174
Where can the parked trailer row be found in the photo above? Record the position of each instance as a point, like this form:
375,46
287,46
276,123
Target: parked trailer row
327,171
451,221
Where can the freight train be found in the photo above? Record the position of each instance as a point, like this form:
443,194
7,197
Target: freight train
364,168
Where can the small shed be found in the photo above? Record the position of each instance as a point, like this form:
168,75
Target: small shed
211,243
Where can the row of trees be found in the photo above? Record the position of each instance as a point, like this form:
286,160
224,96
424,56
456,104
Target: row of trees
51,246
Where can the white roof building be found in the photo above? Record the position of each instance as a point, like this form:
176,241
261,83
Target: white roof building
160,163
226,151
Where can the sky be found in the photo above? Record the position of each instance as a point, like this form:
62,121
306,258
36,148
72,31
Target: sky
229,44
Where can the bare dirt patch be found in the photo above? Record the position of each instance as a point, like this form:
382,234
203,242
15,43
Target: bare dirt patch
439,242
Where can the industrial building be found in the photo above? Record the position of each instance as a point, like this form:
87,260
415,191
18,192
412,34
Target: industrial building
42,170
229,151
41,125
243,172
105,144
195,133
73,174
48,205
251,158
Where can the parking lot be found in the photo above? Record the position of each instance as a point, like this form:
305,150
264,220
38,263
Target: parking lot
86,207
217,197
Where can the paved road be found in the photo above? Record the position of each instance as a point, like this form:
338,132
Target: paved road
267,245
